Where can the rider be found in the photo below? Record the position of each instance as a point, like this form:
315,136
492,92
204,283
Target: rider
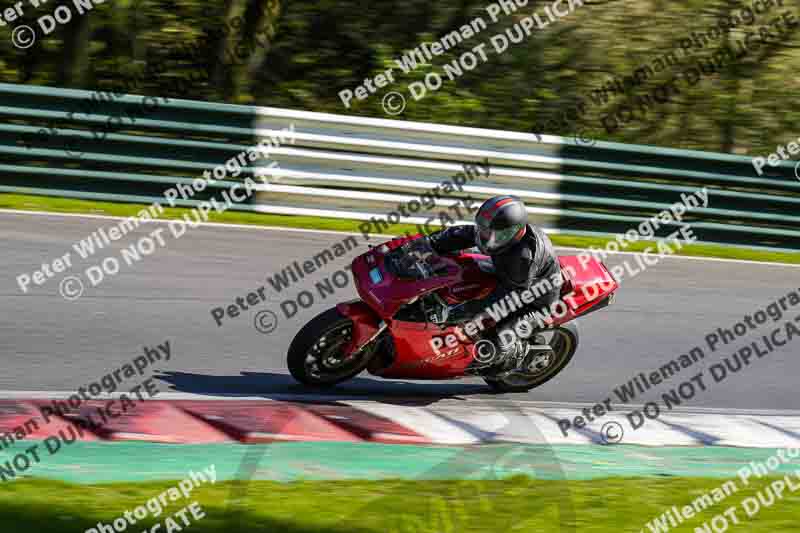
522,255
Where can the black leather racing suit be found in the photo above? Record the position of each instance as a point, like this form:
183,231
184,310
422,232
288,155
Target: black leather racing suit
520,267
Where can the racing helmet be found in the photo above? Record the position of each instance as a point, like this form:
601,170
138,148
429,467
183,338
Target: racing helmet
501,223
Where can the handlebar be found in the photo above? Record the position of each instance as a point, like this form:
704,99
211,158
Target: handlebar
419,260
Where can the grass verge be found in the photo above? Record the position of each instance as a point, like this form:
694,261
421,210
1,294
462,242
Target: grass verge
519,504
68,205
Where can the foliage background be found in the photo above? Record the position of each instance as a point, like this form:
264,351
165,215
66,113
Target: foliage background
300,54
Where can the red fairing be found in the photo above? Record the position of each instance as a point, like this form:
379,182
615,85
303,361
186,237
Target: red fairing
587,285
474,283
365,322
464,280
416,358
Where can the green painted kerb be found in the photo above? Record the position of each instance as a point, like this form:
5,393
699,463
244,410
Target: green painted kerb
88,462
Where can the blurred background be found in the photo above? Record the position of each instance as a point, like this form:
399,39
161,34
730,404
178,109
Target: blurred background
300,54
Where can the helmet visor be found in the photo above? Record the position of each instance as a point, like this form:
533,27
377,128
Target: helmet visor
491,240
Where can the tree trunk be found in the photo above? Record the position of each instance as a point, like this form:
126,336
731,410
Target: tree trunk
249,54
73,67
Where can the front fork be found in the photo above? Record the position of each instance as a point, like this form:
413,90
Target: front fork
367,326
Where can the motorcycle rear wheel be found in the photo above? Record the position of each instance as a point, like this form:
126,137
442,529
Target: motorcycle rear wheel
315,356
564,344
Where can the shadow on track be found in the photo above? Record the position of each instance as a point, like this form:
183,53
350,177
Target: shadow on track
283,387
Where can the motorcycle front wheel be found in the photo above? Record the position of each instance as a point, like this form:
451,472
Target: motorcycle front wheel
316,355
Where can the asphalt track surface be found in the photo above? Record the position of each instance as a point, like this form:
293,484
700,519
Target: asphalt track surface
50,344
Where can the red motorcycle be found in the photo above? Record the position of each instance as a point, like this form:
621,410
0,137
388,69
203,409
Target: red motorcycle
409,311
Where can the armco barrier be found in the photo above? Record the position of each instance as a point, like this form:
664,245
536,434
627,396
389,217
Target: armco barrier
354,167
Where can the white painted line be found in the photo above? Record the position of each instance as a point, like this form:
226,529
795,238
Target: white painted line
786,425
420,420
695,258
547,405
332,232
727,430
548,428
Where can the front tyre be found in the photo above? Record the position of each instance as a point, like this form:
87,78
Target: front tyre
541,367
315,356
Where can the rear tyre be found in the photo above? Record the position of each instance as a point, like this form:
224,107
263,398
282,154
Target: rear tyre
541,367
315,356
